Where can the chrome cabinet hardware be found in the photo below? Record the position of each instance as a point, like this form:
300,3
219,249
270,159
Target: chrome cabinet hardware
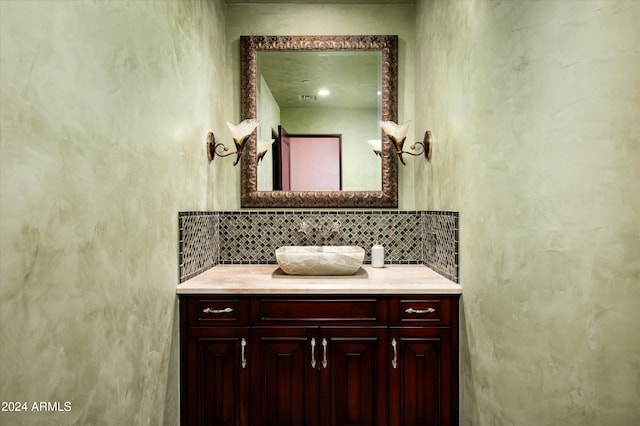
313,352
419,311
324,356
394,345
217,311
243,344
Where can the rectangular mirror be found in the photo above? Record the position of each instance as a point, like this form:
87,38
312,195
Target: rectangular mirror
319,93
280,79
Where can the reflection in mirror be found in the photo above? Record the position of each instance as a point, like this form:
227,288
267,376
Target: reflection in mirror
338,85
307,162
323,93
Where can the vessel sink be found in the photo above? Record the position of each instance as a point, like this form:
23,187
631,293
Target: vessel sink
320,260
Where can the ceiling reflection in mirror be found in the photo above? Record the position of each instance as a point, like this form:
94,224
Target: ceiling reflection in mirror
320,93
320,86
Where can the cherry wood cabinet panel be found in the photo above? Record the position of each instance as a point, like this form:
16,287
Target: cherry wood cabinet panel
319,360
285,384
420,391
216,311
353,376
421,311
319,311
217,393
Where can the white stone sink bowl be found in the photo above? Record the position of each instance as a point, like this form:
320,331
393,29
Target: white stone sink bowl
320,260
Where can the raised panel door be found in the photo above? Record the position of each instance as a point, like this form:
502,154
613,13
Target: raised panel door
353,376
420,377
218,393
285,379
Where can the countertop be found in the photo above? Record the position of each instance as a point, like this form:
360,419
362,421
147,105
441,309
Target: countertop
269,279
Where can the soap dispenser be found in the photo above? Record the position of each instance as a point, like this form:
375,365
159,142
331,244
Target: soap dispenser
377,256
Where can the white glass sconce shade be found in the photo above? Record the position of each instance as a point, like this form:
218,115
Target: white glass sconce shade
263,147
376,146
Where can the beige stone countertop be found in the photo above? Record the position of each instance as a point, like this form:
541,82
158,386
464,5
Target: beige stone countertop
269,279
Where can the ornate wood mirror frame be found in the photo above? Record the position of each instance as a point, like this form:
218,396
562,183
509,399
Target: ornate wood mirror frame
249,48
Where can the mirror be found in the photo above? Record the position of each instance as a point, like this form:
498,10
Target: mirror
279,78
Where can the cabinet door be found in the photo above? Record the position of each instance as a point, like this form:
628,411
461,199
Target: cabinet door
353,376
285,376
420,378
217,389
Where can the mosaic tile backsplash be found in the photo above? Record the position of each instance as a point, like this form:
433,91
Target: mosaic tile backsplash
440,242
251,237
198,242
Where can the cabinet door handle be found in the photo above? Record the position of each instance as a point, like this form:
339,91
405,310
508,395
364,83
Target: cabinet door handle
394,345
419,311
313,352
217,311
324,356
243,359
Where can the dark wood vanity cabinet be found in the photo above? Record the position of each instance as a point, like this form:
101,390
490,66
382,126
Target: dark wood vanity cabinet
319,360
214,339
318,377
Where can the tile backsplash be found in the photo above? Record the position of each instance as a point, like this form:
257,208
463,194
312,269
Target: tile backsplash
198,242
251,237
440,242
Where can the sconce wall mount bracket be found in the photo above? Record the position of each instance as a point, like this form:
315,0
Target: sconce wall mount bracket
218,148
427,145
211,146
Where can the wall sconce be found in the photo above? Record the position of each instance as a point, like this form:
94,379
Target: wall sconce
240,133
376,145
398,134
263,147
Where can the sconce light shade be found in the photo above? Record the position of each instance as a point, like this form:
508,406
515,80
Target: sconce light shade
398,134
240,133
263,147
376,145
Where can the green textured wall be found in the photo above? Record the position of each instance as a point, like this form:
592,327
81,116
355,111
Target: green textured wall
104,110
320,19
269,113
534,105
535,108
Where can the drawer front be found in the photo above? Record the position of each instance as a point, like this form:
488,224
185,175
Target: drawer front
420,311
205,311
319,311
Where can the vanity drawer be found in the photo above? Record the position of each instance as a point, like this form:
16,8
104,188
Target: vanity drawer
204,311
320,311
420,311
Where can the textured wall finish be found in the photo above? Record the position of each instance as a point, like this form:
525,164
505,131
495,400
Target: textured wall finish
535,106
104,110
319,19
269,113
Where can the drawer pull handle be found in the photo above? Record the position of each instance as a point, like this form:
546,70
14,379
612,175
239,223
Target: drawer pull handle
217,311
313,352
420,311
394,345
324,357
243,344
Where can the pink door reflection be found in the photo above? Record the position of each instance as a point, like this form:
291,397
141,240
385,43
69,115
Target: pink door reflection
315,163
